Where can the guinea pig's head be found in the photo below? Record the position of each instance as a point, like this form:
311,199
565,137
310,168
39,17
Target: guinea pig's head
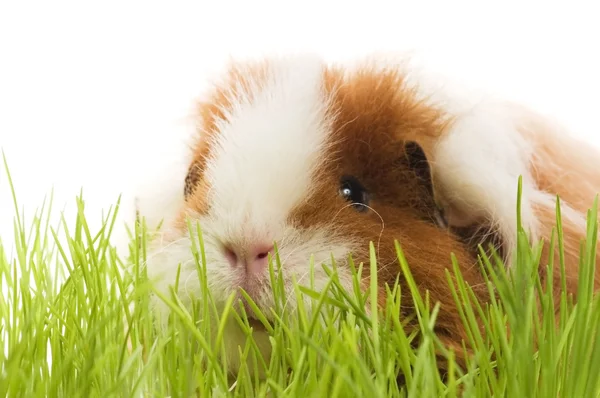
319,160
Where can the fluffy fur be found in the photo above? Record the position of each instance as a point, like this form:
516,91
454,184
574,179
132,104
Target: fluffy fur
275,137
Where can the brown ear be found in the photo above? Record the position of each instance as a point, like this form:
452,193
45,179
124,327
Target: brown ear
418,163
472,235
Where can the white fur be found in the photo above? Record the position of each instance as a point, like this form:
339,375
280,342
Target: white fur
477,164
477,167
267,153
262,167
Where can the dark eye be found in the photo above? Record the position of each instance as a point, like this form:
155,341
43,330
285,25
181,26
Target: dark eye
191,180
353,191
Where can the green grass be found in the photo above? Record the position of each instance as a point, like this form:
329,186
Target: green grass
67,315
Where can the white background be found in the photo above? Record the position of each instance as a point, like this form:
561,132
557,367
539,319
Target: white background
95,94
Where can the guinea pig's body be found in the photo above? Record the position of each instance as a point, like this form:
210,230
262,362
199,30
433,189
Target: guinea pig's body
324,159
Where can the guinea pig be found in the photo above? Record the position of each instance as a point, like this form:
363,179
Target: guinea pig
321,159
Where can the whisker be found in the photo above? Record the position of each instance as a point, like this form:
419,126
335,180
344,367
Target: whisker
374,211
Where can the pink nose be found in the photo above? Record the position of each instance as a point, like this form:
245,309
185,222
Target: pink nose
254,258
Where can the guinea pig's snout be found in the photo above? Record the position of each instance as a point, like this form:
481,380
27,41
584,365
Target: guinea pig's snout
254,257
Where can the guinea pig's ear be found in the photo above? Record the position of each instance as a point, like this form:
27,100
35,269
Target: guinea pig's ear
419,164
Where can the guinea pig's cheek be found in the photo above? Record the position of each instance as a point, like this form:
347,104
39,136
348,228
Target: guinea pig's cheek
315,248
166,258
163,260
